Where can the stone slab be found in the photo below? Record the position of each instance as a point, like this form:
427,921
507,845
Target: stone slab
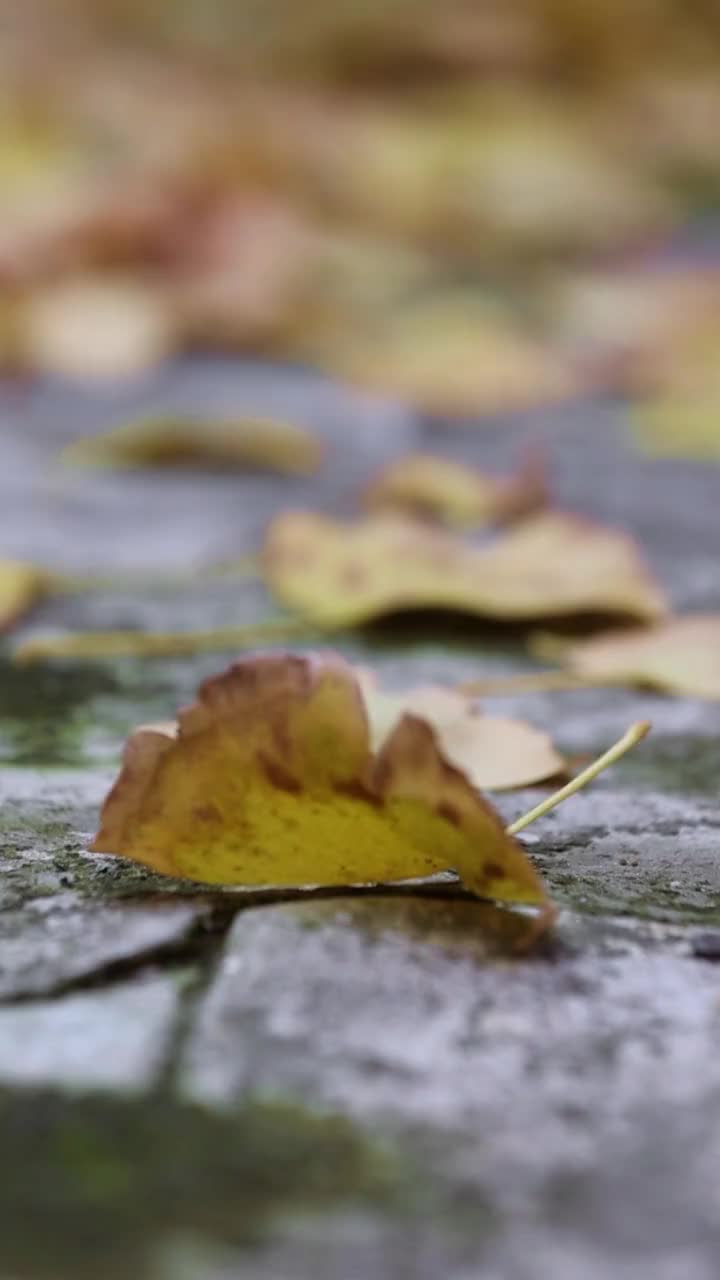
574,1095
548,1117
113,1038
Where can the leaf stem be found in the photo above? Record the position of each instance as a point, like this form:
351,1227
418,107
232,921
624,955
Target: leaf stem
635,734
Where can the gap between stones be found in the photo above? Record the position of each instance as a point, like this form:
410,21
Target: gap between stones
205,936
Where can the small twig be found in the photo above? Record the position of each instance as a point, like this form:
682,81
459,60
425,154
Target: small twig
635,734
243,567
536,682
117,644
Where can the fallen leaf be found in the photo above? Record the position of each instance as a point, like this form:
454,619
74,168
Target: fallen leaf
270,778
679,426
157,442
21,587
96,327
48,182
455,494
496,753
474,170
243,273
623,325
455,357
680,655
670,117
680,415
337,574
544,176
354,281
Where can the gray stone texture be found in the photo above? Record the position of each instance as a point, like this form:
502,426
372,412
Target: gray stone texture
208,1085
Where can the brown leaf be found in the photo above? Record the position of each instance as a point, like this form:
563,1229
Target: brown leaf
159,442
625,326
243,273
269,778
455,494
337,574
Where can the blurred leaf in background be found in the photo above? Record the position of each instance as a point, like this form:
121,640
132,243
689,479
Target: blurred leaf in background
314,184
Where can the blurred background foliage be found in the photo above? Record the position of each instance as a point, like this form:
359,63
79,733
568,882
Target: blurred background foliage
476,205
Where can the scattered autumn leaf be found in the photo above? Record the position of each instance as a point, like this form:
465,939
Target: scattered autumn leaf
454,356
680,415
681,426
680,655
496,753
174,441
474,170
354,280
623,325
336,574
21,587
455,494
452,132
47,180
95,327
542,176
270,778
242,279
670,117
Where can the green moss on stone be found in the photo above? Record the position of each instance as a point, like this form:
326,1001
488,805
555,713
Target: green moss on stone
674,764
92,1184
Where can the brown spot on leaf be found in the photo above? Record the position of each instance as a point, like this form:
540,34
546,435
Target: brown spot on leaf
207,813
277,776
353,576
356,789
494,871
449,813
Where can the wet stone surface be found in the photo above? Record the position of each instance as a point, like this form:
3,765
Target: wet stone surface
208,1085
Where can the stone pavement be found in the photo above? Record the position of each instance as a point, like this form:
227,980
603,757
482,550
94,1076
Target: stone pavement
204,1085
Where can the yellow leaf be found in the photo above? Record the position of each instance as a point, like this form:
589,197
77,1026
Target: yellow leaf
451,357
454,493
21,587
681,426
546,178
680,655
270,778
496,753
337,574
682,417
157,442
